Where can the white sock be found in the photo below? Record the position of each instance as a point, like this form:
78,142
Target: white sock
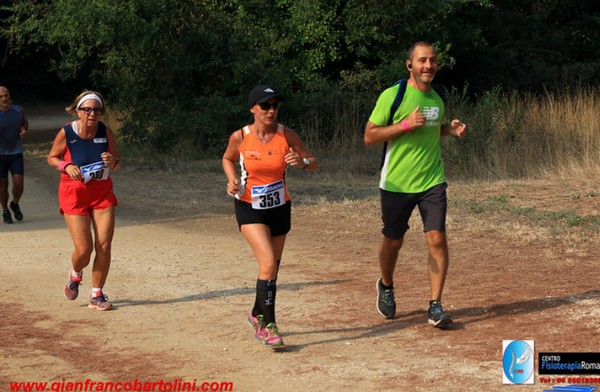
95,291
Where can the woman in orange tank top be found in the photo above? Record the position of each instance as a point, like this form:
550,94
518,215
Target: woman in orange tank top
264,150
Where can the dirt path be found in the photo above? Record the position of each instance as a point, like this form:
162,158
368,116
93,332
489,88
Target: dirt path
182,281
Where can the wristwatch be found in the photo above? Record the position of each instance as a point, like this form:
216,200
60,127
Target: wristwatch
306,162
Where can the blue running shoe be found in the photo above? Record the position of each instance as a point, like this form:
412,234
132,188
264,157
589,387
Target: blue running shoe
437,316
386,302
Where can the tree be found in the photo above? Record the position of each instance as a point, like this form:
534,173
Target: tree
179,70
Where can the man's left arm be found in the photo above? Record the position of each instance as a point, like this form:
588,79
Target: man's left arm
24,125
454,128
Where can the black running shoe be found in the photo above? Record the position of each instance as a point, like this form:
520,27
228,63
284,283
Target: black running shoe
386,302
16,210
7,217
437,316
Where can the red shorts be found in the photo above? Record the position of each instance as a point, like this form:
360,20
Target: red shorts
77,198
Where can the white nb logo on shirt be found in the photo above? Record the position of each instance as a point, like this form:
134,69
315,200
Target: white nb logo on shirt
431,112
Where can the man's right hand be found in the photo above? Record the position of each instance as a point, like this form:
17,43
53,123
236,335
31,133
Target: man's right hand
416,118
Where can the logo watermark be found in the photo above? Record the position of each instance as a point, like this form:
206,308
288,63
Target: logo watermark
517,361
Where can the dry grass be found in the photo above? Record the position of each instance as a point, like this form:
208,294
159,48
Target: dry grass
564,131
528,211
509,136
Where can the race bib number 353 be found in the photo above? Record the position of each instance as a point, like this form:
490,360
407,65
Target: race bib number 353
268,196
94,171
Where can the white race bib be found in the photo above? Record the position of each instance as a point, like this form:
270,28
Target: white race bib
268,196
94,171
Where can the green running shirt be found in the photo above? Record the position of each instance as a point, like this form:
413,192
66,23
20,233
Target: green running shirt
413,161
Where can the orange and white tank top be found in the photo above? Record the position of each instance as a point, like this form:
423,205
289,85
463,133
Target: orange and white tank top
263,170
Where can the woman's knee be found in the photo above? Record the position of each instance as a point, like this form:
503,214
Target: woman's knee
268,270
83,251
103,248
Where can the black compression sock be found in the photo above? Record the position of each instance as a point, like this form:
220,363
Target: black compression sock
265,297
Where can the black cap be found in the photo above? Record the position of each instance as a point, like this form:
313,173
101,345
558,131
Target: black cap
262,93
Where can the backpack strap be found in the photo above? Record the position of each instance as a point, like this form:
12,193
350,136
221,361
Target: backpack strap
395,105
398,99
439,91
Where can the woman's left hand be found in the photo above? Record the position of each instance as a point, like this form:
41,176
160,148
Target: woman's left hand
293,158
109,159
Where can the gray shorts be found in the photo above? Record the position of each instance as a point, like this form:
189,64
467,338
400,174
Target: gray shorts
396,209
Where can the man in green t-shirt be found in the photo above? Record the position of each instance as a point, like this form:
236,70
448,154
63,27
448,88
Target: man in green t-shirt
413,175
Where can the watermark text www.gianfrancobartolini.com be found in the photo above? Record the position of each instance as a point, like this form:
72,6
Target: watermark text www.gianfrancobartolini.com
176,385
